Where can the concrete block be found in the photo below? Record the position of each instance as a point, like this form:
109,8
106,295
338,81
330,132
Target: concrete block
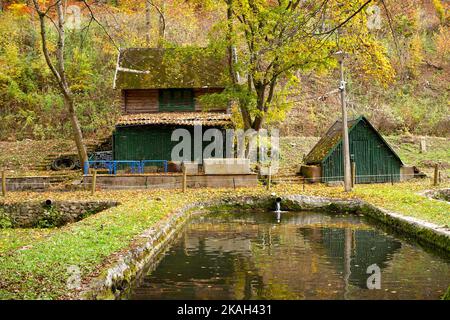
226,166
191,167
265,171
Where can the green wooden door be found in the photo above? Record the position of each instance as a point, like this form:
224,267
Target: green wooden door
361,157
142,143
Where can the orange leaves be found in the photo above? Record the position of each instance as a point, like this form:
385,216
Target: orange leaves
19,8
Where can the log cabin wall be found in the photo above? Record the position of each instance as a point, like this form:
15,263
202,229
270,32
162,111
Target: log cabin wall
140,101
136,101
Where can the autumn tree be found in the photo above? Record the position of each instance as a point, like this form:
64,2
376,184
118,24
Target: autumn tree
277,40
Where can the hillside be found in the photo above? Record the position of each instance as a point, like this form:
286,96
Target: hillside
416,101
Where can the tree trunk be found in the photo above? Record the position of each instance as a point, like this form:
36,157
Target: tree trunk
147,22
233,74
162,21
244,107
78,135
60,75
230,44
260,104
68,98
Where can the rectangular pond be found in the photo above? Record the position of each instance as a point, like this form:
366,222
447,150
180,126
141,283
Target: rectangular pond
304,255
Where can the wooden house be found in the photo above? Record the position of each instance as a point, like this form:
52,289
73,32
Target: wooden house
374,159
160,90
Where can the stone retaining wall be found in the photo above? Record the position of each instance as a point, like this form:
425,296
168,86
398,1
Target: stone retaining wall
41,183
172,181
39,214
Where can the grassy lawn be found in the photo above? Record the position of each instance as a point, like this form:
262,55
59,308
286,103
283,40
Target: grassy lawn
33,262
438,150
40,270
407,202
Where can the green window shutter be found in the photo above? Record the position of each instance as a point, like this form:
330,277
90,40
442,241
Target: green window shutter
176,100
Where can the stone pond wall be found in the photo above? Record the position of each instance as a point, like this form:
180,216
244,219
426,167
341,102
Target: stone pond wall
40,214
127,267
440,194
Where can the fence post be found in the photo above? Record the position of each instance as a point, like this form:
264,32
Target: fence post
4,183
94,181
436,175
183,168
353,173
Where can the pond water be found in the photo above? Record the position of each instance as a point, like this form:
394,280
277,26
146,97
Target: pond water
305,255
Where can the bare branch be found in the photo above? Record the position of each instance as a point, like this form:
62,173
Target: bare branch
161,15
345,21
91,13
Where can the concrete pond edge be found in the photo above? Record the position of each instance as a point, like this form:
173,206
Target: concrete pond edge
115,282
437,194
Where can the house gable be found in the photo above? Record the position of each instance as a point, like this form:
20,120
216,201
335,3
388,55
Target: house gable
332,140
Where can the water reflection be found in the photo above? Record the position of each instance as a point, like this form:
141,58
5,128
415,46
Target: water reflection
305,255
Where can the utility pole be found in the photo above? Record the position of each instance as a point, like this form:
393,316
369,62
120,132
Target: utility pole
345,139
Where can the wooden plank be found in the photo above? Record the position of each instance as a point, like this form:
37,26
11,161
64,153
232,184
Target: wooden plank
141,101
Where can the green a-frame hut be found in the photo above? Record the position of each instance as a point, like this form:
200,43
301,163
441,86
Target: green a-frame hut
374,159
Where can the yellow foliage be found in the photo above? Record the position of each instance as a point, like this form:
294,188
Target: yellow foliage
374,63
415,54
442,43
440,10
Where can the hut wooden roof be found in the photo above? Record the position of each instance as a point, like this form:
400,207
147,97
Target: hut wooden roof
177,118
163,68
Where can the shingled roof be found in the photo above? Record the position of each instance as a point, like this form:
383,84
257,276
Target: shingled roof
163,68
177,118
333,136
